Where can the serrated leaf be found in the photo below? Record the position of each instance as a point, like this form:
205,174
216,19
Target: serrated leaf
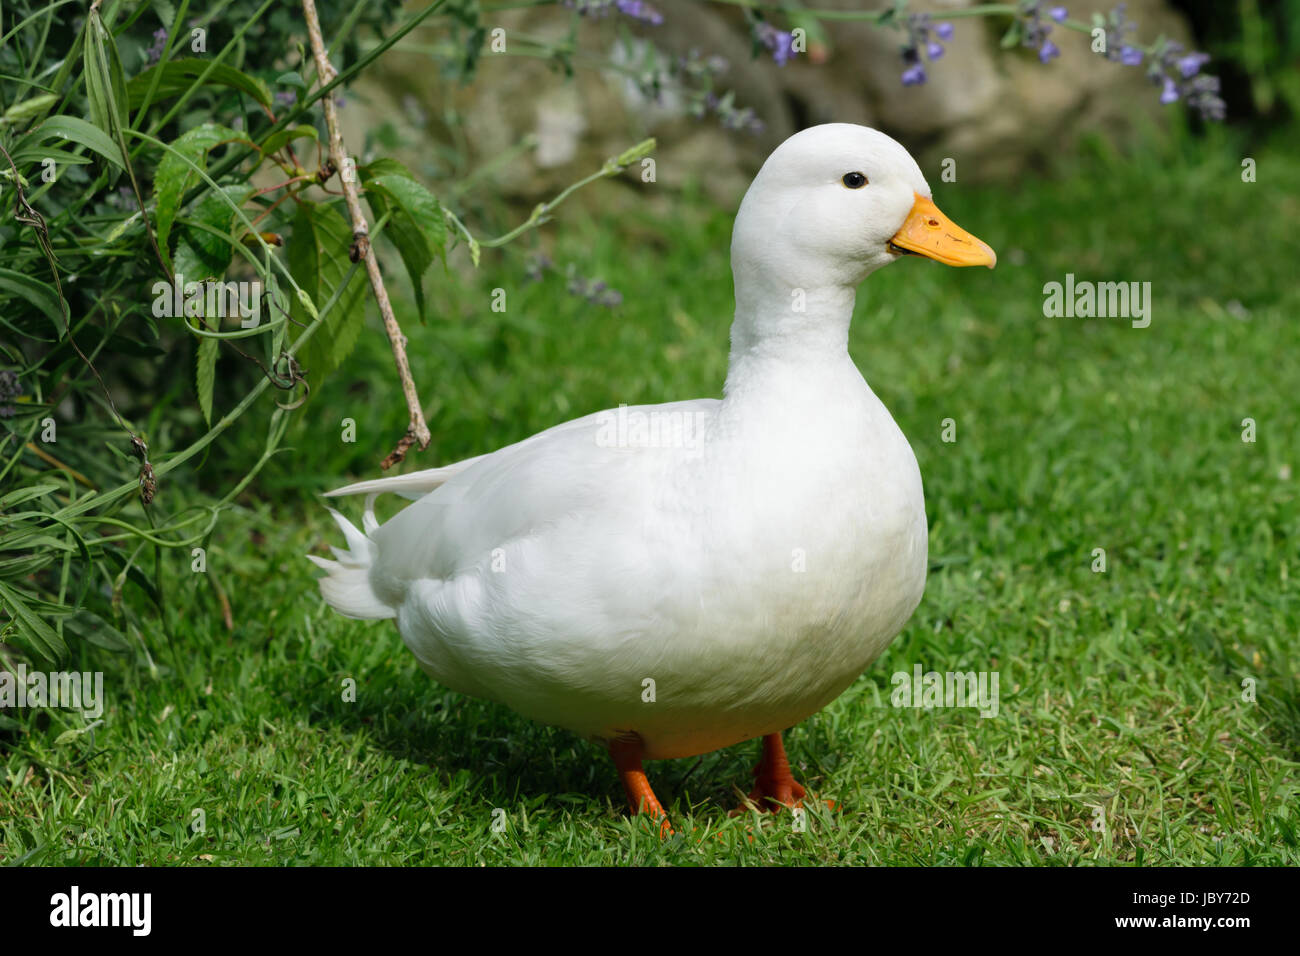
174,176
166,12
179,76
199,253
318,262
417,227
205,375
38,635
78,131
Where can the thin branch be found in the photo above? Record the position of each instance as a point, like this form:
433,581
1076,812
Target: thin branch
417,432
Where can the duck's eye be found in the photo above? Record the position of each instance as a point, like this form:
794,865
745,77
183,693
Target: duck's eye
854,180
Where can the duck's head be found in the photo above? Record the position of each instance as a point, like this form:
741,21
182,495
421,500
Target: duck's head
834,203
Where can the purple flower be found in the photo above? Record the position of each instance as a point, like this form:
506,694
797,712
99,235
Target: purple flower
1048,51
639,10
636,9
1170,92
1130,55
1058,14
1191,64
286,97
155,52
595,291
784,48
779,42
919,33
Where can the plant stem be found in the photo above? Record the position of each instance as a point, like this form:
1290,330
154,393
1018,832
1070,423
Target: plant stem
417,431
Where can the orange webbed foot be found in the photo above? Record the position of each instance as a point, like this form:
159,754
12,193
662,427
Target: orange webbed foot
627,753
775,787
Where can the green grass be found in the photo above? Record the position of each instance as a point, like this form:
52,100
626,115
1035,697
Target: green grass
1120,690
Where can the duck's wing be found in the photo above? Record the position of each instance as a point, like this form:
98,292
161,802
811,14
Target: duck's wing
479,510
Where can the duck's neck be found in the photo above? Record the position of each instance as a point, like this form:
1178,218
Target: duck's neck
782,335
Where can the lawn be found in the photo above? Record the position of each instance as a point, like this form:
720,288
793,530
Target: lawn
1148,712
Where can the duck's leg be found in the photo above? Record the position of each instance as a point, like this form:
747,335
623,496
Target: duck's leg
627,752
774,785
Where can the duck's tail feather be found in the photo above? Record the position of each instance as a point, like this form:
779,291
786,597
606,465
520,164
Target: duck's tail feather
346,586
415,484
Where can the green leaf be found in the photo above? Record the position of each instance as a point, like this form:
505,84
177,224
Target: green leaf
417,226
174,175
28,107
200,254
105,81
31,537
93,629
42,638
68,736
205,375
38,293
61,157
23,565
133,574
277,305
78,131
1012,36
318,261
277,141
18,496
179,76
166,12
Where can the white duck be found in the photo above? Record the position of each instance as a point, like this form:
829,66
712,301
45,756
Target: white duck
672,579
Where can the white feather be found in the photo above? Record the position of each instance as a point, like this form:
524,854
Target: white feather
746,573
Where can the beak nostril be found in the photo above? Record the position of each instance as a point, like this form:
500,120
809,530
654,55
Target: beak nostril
933,222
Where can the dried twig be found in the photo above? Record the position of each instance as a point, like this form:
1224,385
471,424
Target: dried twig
417,432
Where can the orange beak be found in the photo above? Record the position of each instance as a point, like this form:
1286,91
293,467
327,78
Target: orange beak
928,232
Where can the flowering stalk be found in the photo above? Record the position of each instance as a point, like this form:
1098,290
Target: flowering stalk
1170,66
